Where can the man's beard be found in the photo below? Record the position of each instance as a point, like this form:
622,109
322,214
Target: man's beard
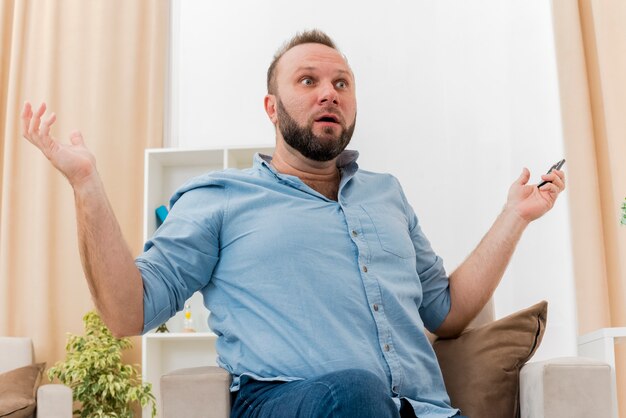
302,138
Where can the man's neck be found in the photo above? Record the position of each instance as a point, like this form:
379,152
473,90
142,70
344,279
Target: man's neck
321,176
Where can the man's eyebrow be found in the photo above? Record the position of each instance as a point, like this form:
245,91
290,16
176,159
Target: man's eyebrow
312,68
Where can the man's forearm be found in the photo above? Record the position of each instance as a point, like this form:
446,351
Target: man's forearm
113,278
475,280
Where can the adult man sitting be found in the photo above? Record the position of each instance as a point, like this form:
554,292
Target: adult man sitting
319,279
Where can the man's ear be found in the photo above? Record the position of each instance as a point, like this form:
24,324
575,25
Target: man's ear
270,107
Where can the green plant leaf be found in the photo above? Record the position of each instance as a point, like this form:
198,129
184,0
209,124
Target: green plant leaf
93,369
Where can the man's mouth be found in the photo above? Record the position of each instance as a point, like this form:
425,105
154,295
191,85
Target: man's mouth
327,117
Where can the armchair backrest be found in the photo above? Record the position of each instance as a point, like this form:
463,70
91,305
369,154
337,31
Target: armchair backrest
15,352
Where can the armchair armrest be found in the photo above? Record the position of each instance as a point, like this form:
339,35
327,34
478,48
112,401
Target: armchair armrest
196,392
566,387
54,401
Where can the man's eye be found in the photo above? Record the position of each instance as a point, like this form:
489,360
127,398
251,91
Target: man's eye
341,84
307,81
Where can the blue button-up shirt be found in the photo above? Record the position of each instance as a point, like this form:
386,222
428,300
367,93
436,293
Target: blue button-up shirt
299,285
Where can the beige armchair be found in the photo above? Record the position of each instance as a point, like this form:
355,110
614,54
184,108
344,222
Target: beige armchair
20,377
485,371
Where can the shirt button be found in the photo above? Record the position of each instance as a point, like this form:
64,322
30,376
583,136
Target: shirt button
395,389
354,233
386,347
364,269
376,307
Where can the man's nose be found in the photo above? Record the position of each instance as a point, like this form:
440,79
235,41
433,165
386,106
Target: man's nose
328,94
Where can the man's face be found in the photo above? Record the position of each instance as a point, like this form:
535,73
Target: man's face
314,108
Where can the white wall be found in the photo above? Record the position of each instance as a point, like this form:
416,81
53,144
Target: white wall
454,98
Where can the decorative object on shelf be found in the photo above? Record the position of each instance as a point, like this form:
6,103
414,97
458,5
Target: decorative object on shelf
188,321
161,213
624,212
93,369
162,328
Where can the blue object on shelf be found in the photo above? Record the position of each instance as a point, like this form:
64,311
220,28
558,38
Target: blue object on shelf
161,214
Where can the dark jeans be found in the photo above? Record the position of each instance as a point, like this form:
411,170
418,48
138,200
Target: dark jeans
343,394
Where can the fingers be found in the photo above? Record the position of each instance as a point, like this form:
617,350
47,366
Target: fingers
36,120
34,130
556,177
76,138
45,128
561,176
524,177
552,188
27,113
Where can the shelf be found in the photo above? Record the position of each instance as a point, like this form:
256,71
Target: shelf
242,157
618,333
165,171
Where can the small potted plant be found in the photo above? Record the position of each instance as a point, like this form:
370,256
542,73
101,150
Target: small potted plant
93,369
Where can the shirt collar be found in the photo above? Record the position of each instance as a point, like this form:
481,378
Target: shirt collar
345,162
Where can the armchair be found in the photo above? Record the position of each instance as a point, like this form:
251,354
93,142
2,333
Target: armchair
19,378
485,371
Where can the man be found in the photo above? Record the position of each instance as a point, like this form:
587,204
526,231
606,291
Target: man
319,279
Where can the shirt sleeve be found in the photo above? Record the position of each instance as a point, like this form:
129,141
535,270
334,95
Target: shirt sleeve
433,277
179,259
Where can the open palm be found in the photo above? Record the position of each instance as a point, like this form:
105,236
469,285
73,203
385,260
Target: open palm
74,160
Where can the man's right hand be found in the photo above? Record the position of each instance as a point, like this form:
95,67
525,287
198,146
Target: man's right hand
114,280
74,160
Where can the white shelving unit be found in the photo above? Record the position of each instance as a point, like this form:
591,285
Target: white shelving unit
165,171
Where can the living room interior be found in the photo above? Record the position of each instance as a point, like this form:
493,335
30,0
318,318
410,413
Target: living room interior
454,100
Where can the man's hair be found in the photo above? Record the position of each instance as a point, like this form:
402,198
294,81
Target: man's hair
314,36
